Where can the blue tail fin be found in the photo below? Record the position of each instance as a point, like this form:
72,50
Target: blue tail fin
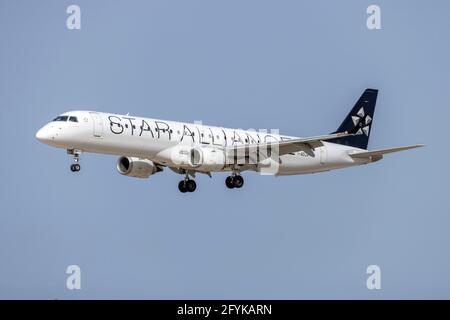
359,121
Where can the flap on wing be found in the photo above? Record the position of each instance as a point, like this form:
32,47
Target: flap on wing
368,154
284,147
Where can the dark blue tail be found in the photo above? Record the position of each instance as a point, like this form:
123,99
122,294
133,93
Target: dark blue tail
359,121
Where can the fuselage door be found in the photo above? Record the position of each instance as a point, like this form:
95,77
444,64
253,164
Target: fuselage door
98,124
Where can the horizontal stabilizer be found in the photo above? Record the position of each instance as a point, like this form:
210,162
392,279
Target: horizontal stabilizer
378,153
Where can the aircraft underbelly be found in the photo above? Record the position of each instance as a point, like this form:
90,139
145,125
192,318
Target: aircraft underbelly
319,161
296,164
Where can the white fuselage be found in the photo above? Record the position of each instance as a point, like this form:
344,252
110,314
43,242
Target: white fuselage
155,140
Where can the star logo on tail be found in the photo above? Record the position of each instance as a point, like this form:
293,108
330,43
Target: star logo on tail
362,122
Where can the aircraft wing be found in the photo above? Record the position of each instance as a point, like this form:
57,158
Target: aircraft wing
381,152
284,147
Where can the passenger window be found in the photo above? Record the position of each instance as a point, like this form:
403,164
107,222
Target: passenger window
73,119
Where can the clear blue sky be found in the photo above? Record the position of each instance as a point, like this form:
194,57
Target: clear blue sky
297,66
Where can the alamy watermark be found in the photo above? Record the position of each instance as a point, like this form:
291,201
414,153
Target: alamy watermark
73,21
374,19
73,281
373,282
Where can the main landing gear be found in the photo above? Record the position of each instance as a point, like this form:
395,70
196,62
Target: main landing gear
187,185
234,181
76,157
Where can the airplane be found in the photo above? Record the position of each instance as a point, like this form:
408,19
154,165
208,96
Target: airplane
146,146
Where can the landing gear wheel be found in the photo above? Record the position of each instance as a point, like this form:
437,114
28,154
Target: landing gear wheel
229,182
187,186
238,181
75,167
182,186
191,185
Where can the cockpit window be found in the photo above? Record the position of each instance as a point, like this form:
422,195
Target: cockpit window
61,118
73,119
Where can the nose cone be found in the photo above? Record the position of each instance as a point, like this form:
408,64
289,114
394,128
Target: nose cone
43,135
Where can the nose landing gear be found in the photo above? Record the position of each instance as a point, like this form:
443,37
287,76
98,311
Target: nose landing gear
75,167
76,157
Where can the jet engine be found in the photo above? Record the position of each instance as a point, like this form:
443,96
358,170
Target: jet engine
207,159
136,167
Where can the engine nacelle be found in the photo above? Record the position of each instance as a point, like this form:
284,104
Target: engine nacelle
204,159
136,167
207,159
